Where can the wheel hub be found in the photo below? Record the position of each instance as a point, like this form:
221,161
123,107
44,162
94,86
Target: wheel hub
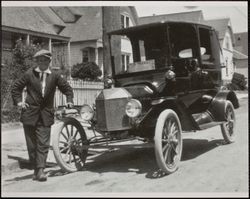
71,141
172,139
230,123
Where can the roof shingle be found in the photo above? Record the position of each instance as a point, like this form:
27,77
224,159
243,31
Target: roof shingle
220,25
49,16
239,55
87,27
28,18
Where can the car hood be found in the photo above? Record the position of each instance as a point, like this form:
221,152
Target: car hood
140,90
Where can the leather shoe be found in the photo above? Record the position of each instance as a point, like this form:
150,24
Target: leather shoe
35,174
41,176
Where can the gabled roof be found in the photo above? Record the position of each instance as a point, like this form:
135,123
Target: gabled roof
49,16
241,42
87,27
221,25
25,18
36,19
193,17
134,13
239,55
241,34
65,14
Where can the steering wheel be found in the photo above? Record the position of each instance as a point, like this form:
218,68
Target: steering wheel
192,64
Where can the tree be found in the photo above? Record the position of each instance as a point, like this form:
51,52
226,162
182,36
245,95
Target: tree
22,60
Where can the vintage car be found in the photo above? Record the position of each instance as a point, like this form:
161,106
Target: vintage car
170,85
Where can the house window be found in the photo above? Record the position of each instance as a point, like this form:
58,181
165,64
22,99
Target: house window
124,21
125,62
85,56
127,21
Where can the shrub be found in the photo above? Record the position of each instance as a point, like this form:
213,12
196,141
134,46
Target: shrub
12,114
22,60
86,71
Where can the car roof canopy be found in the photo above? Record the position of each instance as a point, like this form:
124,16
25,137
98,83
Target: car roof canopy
132,29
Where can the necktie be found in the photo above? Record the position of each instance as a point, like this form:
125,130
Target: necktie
41,78
43,82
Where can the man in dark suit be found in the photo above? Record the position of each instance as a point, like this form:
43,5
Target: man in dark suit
37,113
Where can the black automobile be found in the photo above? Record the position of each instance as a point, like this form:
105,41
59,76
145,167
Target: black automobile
170,84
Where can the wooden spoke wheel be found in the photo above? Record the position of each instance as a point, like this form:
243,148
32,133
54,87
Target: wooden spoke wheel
168,141
228,127
70,145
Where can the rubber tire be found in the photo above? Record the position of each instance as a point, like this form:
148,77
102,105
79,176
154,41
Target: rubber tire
55,143
228,139
166,114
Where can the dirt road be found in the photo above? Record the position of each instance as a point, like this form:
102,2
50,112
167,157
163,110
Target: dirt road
208,166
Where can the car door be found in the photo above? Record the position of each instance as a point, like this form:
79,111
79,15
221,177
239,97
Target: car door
211,58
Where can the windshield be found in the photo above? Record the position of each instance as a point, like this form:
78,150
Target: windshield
183,41
143,50
153,48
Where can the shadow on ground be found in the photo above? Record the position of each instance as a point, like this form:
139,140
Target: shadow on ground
26,177
139,160
49,173
196,147
143,160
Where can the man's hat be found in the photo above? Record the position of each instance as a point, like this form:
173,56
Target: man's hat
43,52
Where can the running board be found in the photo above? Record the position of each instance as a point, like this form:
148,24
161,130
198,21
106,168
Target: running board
208,125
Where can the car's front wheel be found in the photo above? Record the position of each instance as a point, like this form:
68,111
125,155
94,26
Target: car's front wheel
70,145
168,141
228,127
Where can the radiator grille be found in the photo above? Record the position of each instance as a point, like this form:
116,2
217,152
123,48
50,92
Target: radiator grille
111,115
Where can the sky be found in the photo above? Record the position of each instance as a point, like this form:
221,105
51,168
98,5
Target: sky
237,11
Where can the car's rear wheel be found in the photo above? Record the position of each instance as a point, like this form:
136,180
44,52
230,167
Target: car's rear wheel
168,141
228,127
70,145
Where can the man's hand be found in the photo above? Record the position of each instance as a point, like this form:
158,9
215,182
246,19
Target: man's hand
23,105
70,105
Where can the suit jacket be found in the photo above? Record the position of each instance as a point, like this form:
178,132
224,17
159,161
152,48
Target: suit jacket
39,106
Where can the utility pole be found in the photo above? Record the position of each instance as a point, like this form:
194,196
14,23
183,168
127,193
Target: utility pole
111,20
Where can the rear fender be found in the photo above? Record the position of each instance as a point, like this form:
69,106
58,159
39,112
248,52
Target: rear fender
217,106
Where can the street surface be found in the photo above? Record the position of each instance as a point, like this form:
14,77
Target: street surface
208,167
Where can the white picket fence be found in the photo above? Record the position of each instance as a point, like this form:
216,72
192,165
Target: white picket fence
85,92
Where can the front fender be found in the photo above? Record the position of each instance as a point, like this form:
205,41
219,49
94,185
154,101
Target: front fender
217,106
186,119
